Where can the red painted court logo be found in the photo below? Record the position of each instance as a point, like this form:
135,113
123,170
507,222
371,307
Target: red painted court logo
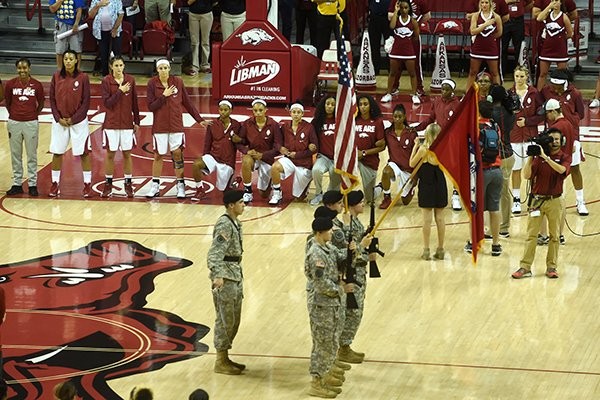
81,315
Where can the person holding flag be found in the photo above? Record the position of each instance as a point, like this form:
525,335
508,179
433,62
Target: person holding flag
433,193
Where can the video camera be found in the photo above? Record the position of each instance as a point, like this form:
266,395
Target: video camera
544,141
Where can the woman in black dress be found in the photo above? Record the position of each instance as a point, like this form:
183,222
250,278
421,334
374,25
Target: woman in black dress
433,193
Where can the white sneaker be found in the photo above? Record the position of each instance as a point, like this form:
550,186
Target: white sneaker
387,98
595,103
582,209
516,208
154,190
416,99
180,190
377,191
456,206
316,200
396,92
247,197
276,197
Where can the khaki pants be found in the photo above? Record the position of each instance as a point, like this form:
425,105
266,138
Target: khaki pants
200,26
19,133
552,209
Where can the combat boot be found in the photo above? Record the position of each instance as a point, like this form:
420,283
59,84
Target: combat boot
342,365
337,372
331,380
239,366
346,354
222,366
318,389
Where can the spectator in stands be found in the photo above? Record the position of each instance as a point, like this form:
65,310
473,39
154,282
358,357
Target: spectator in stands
65,391
514,29
370,141
200,20
130,6
68,15
306,12
107,16
233,14
70,102
198,394
379,28
405,30
286,12
167,99
324,124
327,22
141,393
24,102
486,28
553,49
121,122
158,10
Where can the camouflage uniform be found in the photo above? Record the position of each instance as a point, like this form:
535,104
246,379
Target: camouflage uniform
225,249
353,317
325,297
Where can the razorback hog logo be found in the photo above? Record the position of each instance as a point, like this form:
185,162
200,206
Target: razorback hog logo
254,36
81,315
254,72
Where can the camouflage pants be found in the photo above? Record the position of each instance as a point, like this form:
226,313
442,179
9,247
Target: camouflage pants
353,317
228,310
324,328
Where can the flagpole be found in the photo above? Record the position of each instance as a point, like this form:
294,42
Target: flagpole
397,197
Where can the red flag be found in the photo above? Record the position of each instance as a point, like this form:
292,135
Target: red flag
344,155
458,152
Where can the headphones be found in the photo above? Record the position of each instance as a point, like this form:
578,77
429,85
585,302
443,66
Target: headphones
547,132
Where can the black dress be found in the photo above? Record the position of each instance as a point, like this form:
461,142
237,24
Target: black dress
433,192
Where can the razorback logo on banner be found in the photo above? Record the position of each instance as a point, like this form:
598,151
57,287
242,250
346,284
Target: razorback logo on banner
81,315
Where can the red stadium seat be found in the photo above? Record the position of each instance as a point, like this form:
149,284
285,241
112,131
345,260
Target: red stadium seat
155,42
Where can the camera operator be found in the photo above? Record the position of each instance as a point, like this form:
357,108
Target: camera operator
547,172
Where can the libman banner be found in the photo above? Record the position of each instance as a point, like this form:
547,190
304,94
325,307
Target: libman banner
365,78
441,70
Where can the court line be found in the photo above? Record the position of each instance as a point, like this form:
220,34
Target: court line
366,361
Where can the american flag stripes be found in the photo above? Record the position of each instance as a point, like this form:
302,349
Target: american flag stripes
345,110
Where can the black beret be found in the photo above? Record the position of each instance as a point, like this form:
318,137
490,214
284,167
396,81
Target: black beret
332,197
232,196
498,93
325,212
559,74
355,197
322,224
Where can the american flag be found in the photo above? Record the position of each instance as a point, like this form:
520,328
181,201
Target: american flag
344,156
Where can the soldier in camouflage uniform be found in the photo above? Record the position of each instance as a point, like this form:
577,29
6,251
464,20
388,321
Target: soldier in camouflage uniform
224,262
325,297
354,316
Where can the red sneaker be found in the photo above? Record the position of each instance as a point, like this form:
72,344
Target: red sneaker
387,201
200,194
87,190
54,190
521,273
106,192
129,189
551,273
